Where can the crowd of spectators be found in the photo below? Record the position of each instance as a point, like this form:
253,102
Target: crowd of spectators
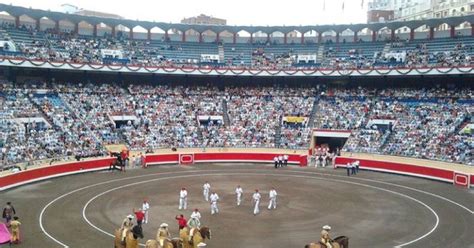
46,121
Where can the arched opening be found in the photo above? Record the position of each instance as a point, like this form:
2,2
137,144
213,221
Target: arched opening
209,36
226,36
243,36
384,34
442,31
7,18
277,37
293,37
175,34
122,31
103,30
157,34
463,29
329,36
66,26
311,37
27,21
422,32
364,35
260,37
47,24
346,36
402,33
140,32
85,28
192,35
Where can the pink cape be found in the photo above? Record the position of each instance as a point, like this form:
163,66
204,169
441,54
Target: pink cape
5,235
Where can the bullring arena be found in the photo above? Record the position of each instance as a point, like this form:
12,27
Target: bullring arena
99,112
373,209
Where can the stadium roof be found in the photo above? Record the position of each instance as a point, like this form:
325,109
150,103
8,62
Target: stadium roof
58,16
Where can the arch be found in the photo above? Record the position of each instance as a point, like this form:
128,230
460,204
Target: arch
66,26
226,36
103,29
140,32
364,35
422,32
277,37
260,36
463,29
46,23
347,35
122,31
7,17
403,33
192,35
243,36
27,21
384,34
443,30
174,34
157,34
294,37
209,36
85,28
328,36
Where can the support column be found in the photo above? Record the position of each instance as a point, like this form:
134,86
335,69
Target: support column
76,28
337,38
268,37
374,36
356,37
392,35
149,35
183,37
431,35
17,21
453,31
167,35
131,34
251,38
472,29
285,39
95,30
412,34
302,38
234,38
218,37
320,38
56,26
113,31
200,37
38,24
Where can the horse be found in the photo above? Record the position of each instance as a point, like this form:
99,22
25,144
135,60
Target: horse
168,243
184,235
199,235
131,238
339,242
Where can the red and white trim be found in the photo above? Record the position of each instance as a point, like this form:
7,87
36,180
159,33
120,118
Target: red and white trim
462,179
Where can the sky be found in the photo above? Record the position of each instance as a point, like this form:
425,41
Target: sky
238,12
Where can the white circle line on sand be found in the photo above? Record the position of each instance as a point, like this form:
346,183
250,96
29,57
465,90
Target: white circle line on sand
84,209
183,172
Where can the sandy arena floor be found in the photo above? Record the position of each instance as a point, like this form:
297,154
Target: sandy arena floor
372,209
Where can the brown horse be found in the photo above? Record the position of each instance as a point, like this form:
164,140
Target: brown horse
184,235
199,235
168,243
339,242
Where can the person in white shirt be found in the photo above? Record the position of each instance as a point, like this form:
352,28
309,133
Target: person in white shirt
280,160
285,160
273,199
183,199
256,200
238,192
145,208
195,220
205,190
214,198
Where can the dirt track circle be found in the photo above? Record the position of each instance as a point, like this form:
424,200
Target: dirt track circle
373,209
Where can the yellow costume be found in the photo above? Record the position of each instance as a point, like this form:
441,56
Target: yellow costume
15,226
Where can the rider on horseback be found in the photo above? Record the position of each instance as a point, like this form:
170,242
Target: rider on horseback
127,225
325,239
163,233
195,220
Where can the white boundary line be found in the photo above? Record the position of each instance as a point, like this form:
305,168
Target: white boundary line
182,172
254,174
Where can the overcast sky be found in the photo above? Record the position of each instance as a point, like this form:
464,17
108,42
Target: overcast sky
237,12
